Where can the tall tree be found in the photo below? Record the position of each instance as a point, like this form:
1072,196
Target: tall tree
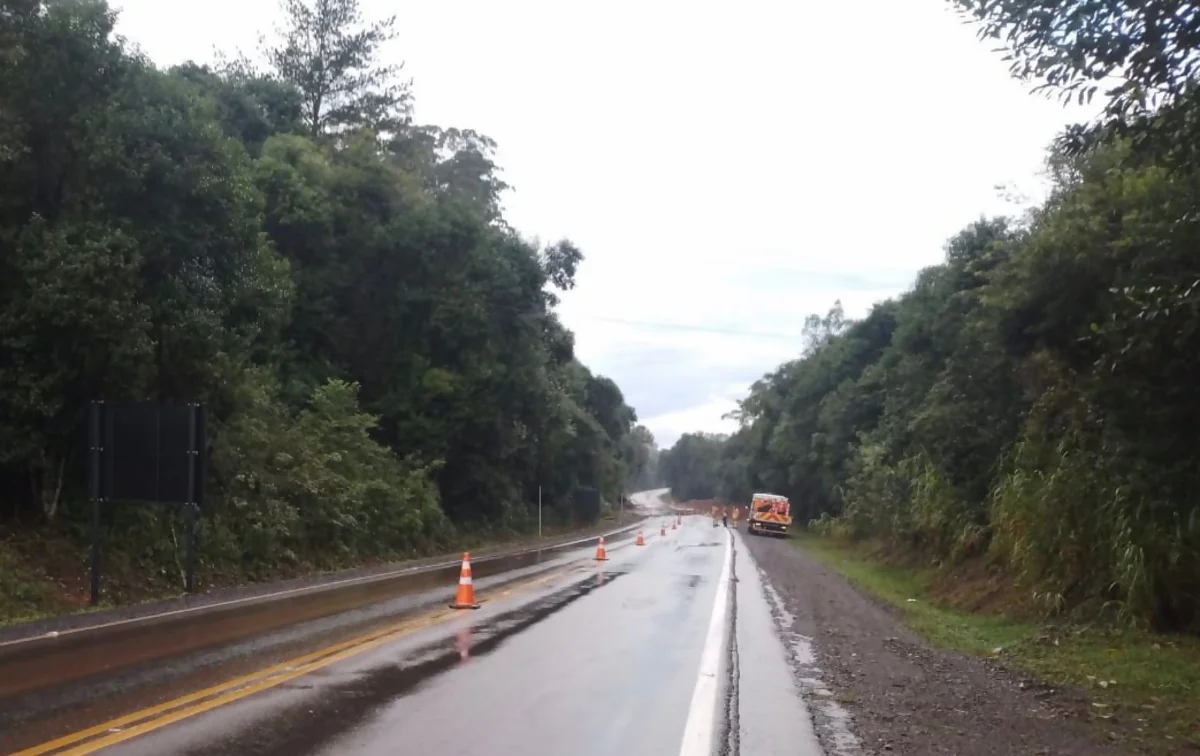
1143,56
378,349
690,467
1146,48
331,56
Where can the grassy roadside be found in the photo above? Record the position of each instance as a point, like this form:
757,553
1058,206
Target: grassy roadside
44,575
1144,688
24,594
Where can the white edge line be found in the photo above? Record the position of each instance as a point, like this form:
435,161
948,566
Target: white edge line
701,725
278,595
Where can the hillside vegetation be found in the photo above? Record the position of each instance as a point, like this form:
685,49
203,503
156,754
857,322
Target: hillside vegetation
1032,400
378,349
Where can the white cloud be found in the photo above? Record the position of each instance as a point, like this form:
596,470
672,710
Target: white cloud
734,166
707,417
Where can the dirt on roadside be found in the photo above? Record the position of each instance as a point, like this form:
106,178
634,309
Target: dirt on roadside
903,697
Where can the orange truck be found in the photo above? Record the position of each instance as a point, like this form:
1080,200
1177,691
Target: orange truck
770,513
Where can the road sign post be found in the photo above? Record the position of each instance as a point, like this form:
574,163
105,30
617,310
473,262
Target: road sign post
94,452
145,452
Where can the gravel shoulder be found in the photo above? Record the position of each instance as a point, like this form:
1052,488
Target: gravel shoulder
851,656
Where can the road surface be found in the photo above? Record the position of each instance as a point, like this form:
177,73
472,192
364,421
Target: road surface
668,648
650,502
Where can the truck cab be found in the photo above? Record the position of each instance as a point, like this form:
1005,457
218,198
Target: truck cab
769,513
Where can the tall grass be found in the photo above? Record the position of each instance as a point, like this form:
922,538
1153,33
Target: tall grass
1068,516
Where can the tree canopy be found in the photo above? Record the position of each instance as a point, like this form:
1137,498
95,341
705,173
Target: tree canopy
379,350
1030,400
1141,57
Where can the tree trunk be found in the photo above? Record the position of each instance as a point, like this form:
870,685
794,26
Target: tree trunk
46,478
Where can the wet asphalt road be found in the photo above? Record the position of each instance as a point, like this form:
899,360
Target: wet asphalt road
592,659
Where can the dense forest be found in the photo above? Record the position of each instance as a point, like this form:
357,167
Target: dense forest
1032,400
378,349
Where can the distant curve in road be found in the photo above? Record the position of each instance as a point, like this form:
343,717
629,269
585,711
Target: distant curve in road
652,499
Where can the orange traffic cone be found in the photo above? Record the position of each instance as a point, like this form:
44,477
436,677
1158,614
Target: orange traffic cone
640,541
601,554
465,598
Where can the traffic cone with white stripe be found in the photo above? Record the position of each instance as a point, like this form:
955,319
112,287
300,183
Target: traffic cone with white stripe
640,541
465,599
663,530
601,554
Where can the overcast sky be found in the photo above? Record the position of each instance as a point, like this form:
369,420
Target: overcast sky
727,168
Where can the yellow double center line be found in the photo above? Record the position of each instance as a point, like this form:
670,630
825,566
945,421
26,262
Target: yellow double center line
155,717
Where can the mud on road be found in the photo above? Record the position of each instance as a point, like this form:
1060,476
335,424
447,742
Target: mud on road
876,688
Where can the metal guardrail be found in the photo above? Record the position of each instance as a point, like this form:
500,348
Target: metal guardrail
54,658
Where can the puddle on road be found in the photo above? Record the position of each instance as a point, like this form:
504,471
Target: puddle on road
341,707
474,640
705,545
